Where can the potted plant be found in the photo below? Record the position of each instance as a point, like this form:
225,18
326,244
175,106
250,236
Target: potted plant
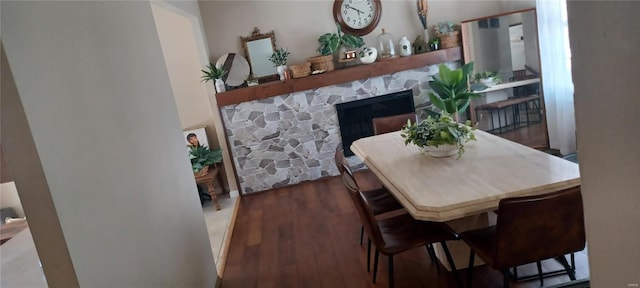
452,94
329,44
434,44
215,73
279,60
449,34
439,136
201,157
488,78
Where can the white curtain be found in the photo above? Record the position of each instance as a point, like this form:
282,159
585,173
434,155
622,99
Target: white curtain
555,63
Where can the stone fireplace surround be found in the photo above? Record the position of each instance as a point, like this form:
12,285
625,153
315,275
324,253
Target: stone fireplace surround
290,138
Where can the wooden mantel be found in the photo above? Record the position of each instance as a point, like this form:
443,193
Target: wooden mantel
338,76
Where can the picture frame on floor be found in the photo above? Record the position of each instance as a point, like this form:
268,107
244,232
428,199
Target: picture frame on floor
195,135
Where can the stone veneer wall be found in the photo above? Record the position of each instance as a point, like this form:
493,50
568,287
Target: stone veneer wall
291,138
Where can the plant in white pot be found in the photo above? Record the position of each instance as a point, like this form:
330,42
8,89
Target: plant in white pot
279,60
439,136
215,73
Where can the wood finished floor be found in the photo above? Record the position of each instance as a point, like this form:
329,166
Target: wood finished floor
307,236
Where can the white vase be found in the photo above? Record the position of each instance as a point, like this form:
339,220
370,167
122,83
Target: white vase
280,69
445,150
220,87
405,46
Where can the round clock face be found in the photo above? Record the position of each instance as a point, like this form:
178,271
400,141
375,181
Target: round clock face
357,17
358,14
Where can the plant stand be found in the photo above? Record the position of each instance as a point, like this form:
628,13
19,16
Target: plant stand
209,179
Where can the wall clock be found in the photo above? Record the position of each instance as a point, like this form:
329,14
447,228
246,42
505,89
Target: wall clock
357,17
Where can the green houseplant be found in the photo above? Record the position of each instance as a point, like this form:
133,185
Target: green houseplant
279,57
451,88
214,73
201,157
439,136
330,42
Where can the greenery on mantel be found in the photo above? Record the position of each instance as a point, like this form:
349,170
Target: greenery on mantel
330,42
213,72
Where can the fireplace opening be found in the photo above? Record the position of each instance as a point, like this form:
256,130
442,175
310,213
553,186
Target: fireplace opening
354,117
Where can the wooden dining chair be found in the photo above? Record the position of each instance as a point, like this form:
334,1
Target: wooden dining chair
388,124
530,229
398,234
380,199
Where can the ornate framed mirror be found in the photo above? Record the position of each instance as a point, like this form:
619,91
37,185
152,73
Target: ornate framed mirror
506,46
258,48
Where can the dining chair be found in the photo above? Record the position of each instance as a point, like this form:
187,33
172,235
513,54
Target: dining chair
388,124
530,229
400,233
380,199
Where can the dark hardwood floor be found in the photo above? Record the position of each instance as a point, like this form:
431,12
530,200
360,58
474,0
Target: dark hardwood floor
307,236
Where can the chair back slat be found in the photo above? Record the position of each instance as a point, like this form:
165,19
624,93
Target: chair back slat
388,124
534,228
364,211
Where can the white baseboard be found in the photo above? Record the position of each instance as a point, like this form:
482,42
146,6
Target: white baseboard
234,194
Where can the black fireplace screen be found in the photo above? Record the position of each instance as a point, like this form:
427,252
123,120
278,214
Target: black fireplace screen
355,117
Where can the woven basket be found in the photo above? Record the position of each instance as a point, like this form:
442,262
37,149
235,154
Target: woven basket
324,63
300,70
449,40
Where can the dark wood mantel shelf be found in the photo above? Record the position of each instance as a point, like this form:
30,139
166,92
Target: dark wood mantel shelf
338,76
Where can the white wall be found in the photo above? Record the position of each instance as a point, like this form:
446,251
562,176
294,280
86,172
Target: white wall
9,198
299,24
182,39
605,73
96,94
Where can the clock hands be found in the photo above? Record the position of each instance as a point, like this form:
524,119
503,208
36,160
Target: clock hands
351,7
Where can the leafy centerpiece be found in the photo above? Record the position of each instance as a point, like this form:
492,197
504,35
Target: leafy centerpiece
439,136
202,157
442,135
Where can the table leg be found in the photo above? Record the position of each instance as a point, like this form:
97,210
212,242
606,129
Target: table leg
212,192
219,177
458,249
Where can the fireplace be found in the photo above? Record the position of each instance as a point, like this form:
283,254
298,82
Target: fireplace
354,118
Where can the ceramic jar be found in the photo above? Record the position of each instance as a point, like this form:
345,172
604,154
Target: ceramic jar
368,55
405,46
281,69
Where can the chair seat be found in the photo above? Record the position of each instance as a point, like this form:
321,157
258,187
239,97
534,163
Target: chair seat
402,233
379,198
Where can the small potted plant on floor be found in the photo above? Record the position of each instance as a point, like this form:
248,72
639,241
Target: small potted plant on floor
215,73
279,60
202,157
439,136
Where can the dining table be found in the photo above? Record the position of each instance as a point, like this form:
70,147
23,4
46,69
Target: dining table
462,191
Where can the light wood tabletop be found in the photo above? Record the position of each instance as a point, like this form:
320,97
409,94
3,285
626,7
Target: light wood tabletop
444,189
